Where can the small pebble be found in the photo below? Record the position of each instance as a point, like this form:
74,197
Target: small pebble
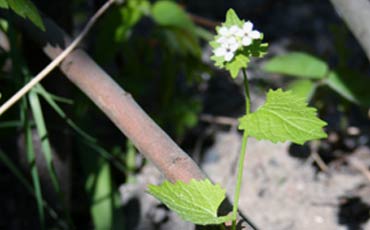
354,131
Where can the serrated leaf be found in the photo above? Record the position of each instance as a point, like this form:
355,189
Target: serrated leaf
257,49
240,61
284,117
232,19
351,85
197,201
297,64
27,9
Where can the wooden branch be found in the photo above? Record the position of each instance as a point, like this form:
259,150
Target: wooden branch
117,104
356,14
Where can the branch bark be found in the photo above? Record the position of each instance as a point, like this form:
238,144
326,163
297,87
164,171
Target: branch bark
117,104
356,15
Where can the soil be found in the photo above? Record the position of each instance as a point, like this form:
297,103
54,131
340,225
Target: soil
282,192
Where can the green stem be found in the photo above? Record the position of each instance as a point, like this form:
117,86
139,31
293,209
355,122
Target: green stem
247,95
242,153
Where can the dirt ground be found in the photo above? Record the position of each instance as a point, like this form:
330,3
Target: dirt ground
281,192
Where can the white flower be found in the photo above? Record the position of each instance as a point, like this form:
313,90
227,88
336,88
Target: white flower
234,37
225,52
234,30
247,34
224,31
225,35
228,46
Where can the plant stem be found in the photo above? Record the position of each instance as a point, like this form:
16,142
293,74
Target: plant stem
247,95
242,153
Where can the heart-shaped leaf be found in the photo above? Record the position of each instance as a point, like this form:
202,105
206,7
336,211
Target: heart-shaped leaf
284,117
197,201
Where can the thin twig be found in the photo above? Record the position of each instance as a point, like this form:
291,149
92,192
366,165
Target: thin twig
203,21
360,166
25,89
320,162
317,158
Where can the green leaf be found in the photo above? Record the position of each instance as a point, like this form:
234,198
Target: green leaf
4,4
115,28
257,49
43,134
303,88
284,117
168,13
240,61
26,9
350,85
31,158
298,64
102,206
196,201
232,19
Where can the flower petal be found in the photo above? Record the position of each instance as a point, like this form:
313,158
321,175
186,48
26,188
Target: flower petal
228,56
234,30
222,40
234,46
224,31
220,51
247,27
255,34
246,41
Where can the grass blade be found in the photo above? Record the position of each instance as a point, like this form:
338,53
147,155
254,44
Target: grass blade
101,207
89,141
45,144
10,124
40,89
49,99
46,148
31,158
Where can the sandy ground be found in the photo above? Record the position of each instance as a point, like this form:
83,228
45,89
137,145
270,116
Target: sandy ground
280,192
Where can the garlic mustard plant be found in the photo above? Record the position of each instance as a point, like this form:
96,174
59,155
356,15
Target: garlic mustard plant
234,38
235,43
283,117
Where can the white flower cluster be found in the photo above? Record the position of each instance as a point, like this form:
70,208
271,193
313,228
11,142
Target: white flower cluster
231,39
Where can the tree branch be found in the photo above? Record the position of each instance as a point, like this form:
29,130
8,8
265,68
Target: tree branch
356,15
117,104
